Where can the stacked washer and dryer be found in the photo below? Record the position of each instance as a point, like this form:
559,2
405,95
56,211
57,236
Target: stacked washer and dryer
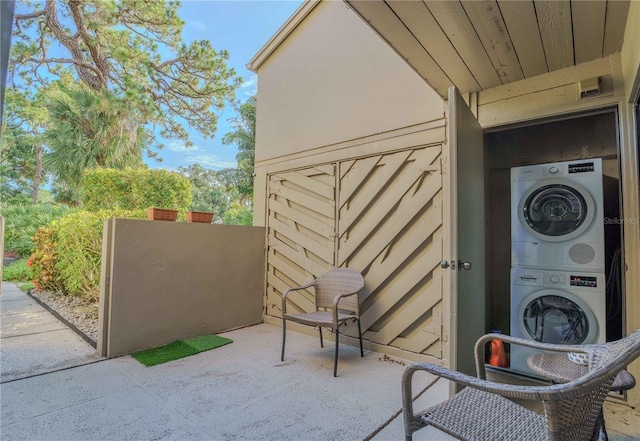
558,289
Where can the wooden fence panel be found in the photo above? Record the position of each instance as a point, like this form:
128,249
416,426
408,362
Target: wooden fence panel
301,234
390,229
386,221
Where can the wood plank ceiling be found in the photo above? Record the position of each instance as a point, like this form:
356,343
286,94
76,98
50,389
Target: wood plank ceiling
478,45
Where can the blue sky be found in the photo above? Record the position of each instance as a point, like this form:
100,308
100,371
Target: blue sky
242,28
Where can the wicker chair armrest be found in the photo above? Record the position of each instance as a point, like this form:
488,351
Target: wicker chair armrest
295,288
482,341
336,301
547,393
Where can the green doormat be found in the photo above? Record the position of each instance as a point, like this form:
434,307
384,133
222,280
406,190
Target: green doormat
179,349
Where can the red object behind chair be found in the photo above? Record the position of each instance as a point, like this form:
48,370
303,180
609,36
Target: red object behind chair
498,357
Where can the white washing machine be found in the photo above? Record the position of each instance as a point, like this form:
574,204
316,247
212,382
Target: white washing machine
557,217
560,307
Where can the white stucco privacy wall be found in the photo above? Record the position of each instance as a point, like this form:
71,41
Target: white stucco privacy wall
333,80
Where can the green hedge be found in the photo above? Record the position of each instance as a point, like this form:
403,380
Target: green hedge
79,249
17,271
22,221
133,189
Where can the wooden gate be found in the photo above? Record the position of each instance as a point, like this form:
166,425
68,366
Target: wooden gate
386,222
301,233
390,227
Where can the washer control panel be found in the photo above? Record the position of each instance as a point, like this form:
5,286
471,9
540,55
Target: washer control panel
556,279
586,281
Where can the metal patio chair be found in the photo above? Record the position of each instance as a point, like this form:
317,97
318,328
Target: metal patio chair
336,302
482,410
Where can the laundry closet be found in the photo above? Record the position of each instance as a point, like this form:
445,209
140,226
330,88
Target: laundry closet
554,231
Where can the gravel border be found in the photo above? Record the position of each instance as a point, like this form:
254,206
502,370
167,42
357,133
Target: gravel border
78,314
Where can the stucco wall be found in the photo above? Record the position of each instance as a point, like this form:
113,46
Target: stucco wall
164,281
333,79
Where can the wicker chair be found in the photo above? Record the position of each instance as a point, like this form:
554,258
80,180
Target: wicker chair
481,411
336,301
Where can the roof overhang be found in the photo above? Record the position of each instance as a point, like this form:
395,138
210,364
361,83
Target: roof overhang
479,45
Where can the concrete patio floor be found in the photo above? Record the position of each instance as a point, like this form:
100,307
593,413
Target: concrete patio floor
240,391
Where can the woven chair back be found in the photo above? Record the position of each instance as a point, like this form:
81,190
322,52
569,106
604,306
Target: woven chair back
604,353
575,416
336,282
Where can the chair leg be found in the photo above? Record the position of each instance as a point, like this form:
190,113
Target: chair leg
320,331
335,362
360,337
284,337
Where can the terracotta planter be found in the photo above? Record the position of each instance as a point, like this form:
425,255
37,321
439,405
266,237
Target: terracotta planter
162,214
199,216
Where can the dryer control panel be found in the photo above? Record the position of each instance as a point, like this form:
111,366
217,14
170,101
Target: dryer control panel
583,167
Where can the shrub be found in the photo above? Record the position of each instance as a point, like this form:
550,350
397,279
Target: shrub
133,189
79,246
22,221
43,260
17,271
238,214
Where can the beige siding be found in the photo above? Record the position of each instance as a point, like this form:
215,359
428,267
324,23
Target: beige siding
333,80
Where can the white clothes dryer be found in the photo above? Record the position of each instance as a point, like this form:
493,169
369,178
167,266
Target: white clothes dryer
555,307
557,216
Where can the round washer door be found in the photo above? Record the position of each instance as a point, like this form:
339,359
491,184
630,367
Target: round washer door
555,210
558,317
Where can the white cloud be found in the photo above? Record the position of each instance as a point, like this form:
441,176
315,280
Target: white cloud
198,25
250,86
181,147
212,161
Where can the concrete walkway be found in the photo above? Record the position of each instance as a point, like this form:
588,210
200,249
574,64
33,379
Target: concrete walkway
33,341
237,392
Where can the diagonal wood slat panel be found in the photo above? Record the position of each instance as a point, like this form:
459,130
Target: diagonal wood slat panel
389,225
370,242
389,265
301,225
323,207
410,277
355,207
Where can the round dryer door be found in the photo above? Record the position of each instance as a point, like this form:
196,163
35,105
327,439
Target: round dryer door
556,210
558,317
